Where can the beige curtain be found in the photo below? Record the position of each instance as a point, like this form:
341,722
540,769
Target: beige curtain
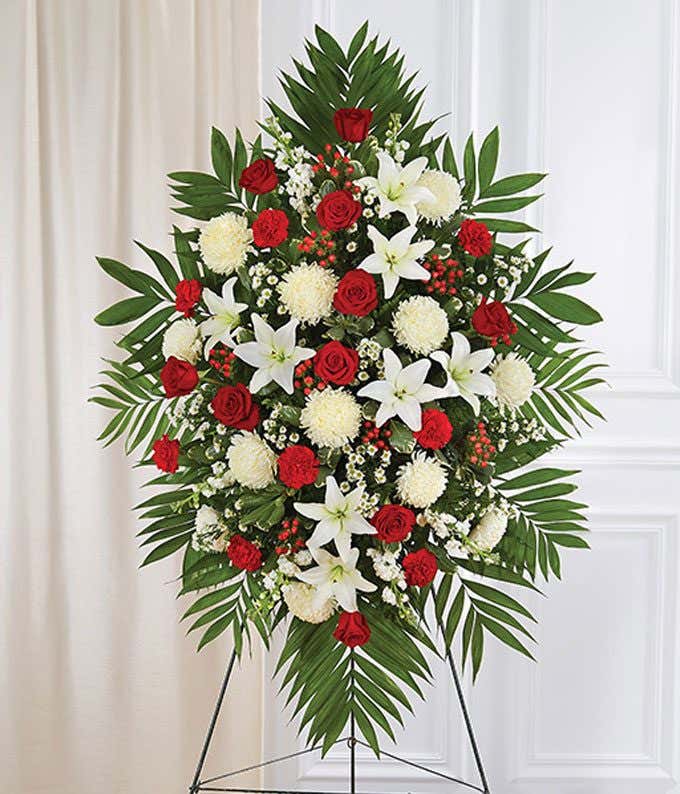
101,690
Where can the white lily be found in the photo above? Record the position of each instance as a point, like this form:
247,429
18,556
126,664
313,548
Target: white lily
464,371
338,518
397,187
225,313
336,578
274,354
396,258
402,391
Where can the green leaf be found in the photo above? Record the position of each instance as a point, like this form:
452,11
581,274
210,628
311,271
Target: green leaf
220,153
126,310
488,159
566,307
134,279
469,169
510,185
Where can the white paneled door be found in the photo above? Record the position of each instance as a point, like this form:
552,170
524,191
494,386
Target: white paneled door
588,91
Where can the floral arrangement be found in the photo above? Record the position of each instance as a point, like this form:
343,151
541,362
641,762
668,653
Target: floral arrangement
338,383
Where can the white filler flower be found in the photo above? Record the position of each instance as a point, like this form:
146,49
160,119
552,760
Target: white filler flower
225,242
274,354
421,481
307,292
396,258
336,578
490,529
464,371
514,380
420,324
182,340
251,462
225,313
331,417
402,391
397,188
300,601
445,199
338,518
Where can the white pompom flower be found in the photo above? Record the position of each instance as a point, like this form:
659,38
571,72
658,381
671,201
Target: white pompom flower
182,340
300,599
224,242
421,481
514,380
490,529
331,417
446,196
307,292
251,462
420,324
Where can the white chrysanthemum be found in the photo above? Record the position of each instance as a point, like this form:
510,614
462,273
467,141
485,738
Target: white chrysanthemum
446,192
206,519
251,461
422,481
514,380
420,324
307,292
490,529
299,599
224,242
182,340
331,417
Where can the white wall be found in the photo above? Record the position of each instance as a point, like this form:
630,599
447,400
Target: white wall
587,90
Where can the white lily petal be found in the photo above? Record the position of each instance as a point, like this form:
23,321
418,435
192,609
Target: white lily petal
412,171
252,353
324,532
412,271
471,400
428,393
335,499
377,238
385,412
481,384
412,377
343,543
346,595
313,510
284,337
362,584
411,413
379,390
419,249
390,282
314,576
392,364
264,333
481,359
259,380
358,525
401,242
374,263
214,303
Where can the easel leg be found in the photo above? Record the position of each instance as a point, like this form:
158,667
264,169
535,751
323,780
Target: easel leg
352,739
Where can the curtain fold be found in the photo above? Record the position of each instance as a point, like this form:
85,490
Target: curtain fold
101,98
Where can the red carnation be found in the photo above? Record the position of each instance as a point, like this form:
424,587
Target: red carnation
187,295
491,319
352,123
356,294
475,238
337,364
394,523
259,177
435,431
244,554
178,377
166,454
338,210
234,407
420,568
270,228
353,629
298,466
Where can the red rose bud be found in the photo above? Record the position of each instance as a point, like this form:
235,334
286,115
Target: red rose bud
356,294
475,238
420,568
298,466
338,210
187,295
178,377
243,554
436,429
352,123
337,364
234,407
270,228
353,629
259,177
166,454
393,523
491,319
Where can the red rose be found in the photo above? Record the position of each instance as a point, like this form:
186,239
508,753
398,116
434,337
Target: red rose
353,629
234,407
356,294
394,523
259,177
178,377
475,238
298,466
270,228
166,454
491,319
420,568
244,554
187,295
436,430
338,210
352,123
337,364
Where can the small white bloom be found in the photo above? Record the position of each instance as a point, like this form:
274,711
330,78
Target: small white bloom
251,462
514,380
336,578
307,292
331,417
421,481
491,528
300,600
445,192
396,258
182,340
464,371
225,242
420,324
225,313
397,188
388,596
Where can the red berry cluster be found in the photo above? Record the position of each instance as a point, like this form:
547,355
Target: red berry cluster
443,272
305,378
320,245
377,436
287,535
221,358
479,447
337,167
